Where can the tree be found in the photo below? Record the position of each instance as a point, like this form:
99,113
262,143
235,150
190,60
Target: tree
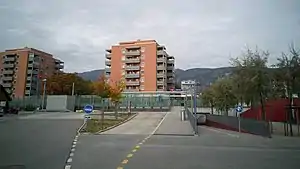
252,69
115,93
224,98
208,98
101,88
62,84
288,73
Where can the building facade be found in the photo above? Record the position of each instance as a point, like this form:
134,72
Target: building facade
144,64
22,70
188,85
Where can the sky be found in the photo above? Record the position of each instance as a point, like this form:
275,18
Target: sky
198,33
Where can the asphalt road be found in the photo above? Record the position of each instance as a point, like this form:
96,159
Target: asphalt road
217,149
37,142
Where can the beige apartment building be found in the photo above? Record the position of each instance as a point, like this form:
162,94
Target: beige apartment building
144,64
22,70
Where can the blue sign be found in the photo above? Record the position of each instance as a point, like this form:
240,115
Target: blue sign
239,108
88,109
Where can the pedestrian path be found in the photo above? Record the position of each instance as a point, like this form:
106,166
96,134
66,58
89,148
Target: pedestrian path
172,124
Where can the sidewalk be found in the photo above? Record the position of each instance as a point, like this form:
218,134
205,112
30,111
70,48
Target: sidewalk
172,124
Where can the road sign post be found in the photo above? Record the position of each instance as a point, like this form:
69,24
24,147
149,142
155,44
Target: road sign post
239,110
88,109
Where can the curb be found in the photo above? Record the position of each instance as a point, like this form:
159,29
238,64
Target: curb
111,127
118,124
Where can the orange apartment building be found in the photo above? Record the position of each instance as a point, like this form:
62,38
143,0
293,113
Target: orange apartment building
144,64
22,70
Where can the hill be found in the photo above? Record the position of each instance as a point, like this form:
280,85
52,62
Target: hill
203,75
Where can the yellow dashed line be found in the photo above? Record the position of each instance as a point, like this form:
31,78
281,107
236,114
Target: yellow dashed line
137,147
120,168
129,155
134,150
124,161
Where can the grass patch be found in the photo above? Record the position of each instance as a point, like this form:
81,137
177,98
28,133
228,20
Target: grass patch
94,125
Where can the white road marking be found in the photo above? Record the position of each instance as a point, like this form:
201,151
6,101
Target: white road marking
74,142
73,146
69,160
71,154
73,149
68,167
220,131
156,128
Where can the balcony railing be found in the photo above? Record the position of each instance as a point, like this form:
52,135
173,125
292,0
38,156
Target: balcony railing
132,83
134,75
137,60
7,78
132,68
161,52
107,69
170,61
133,53
108,55
161,75
8,72
6,85
161,68
161,60
9,59
108,62
8,65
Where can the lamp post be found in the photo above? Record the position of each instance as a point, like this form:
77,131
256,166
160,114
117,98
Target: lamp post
44,93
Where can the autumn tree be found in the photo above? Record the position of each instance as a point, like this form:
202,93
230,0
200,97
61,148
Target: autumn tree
62,84
115,93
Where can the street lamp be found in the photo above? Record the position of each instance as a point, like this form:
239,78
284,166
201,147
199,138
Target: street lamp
44,93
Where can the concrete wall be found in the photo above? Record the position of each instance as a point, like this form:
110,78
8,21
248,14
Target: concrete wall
60,103
231,123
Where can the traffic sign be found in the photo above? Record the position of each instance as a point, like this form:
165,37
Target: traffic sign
239,109
88,109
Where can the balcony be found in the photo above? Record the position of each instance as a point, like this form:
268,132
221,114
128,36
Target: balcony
133,47
59,66
132,83
7,78
34,65
170,74
161,68
57,61
132,76
33,79
132,90
170,67
137,60
133,53
161,52
107,76
132,68
107,70
108,62
160,82
172,81
7,85
8,72
161,60
108,55
8,65
9,59
170,61
34,72
8,91
161,75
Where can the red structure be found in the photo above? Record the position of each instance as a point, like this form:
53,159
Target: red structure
276,110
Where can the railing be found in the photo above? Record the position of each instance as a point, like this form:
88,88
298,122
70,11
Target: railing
193,120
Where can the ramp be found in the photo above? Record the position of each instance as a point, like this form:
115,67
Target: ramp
143,124
172,124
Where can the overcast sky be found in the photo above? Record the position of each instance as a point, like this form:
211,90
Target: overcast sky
199,33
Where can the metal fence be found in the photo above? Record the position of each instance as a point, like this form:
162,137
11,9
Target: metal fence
138,100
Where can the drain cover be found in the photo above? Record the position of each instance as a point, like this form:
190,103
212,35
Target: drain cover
13,167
